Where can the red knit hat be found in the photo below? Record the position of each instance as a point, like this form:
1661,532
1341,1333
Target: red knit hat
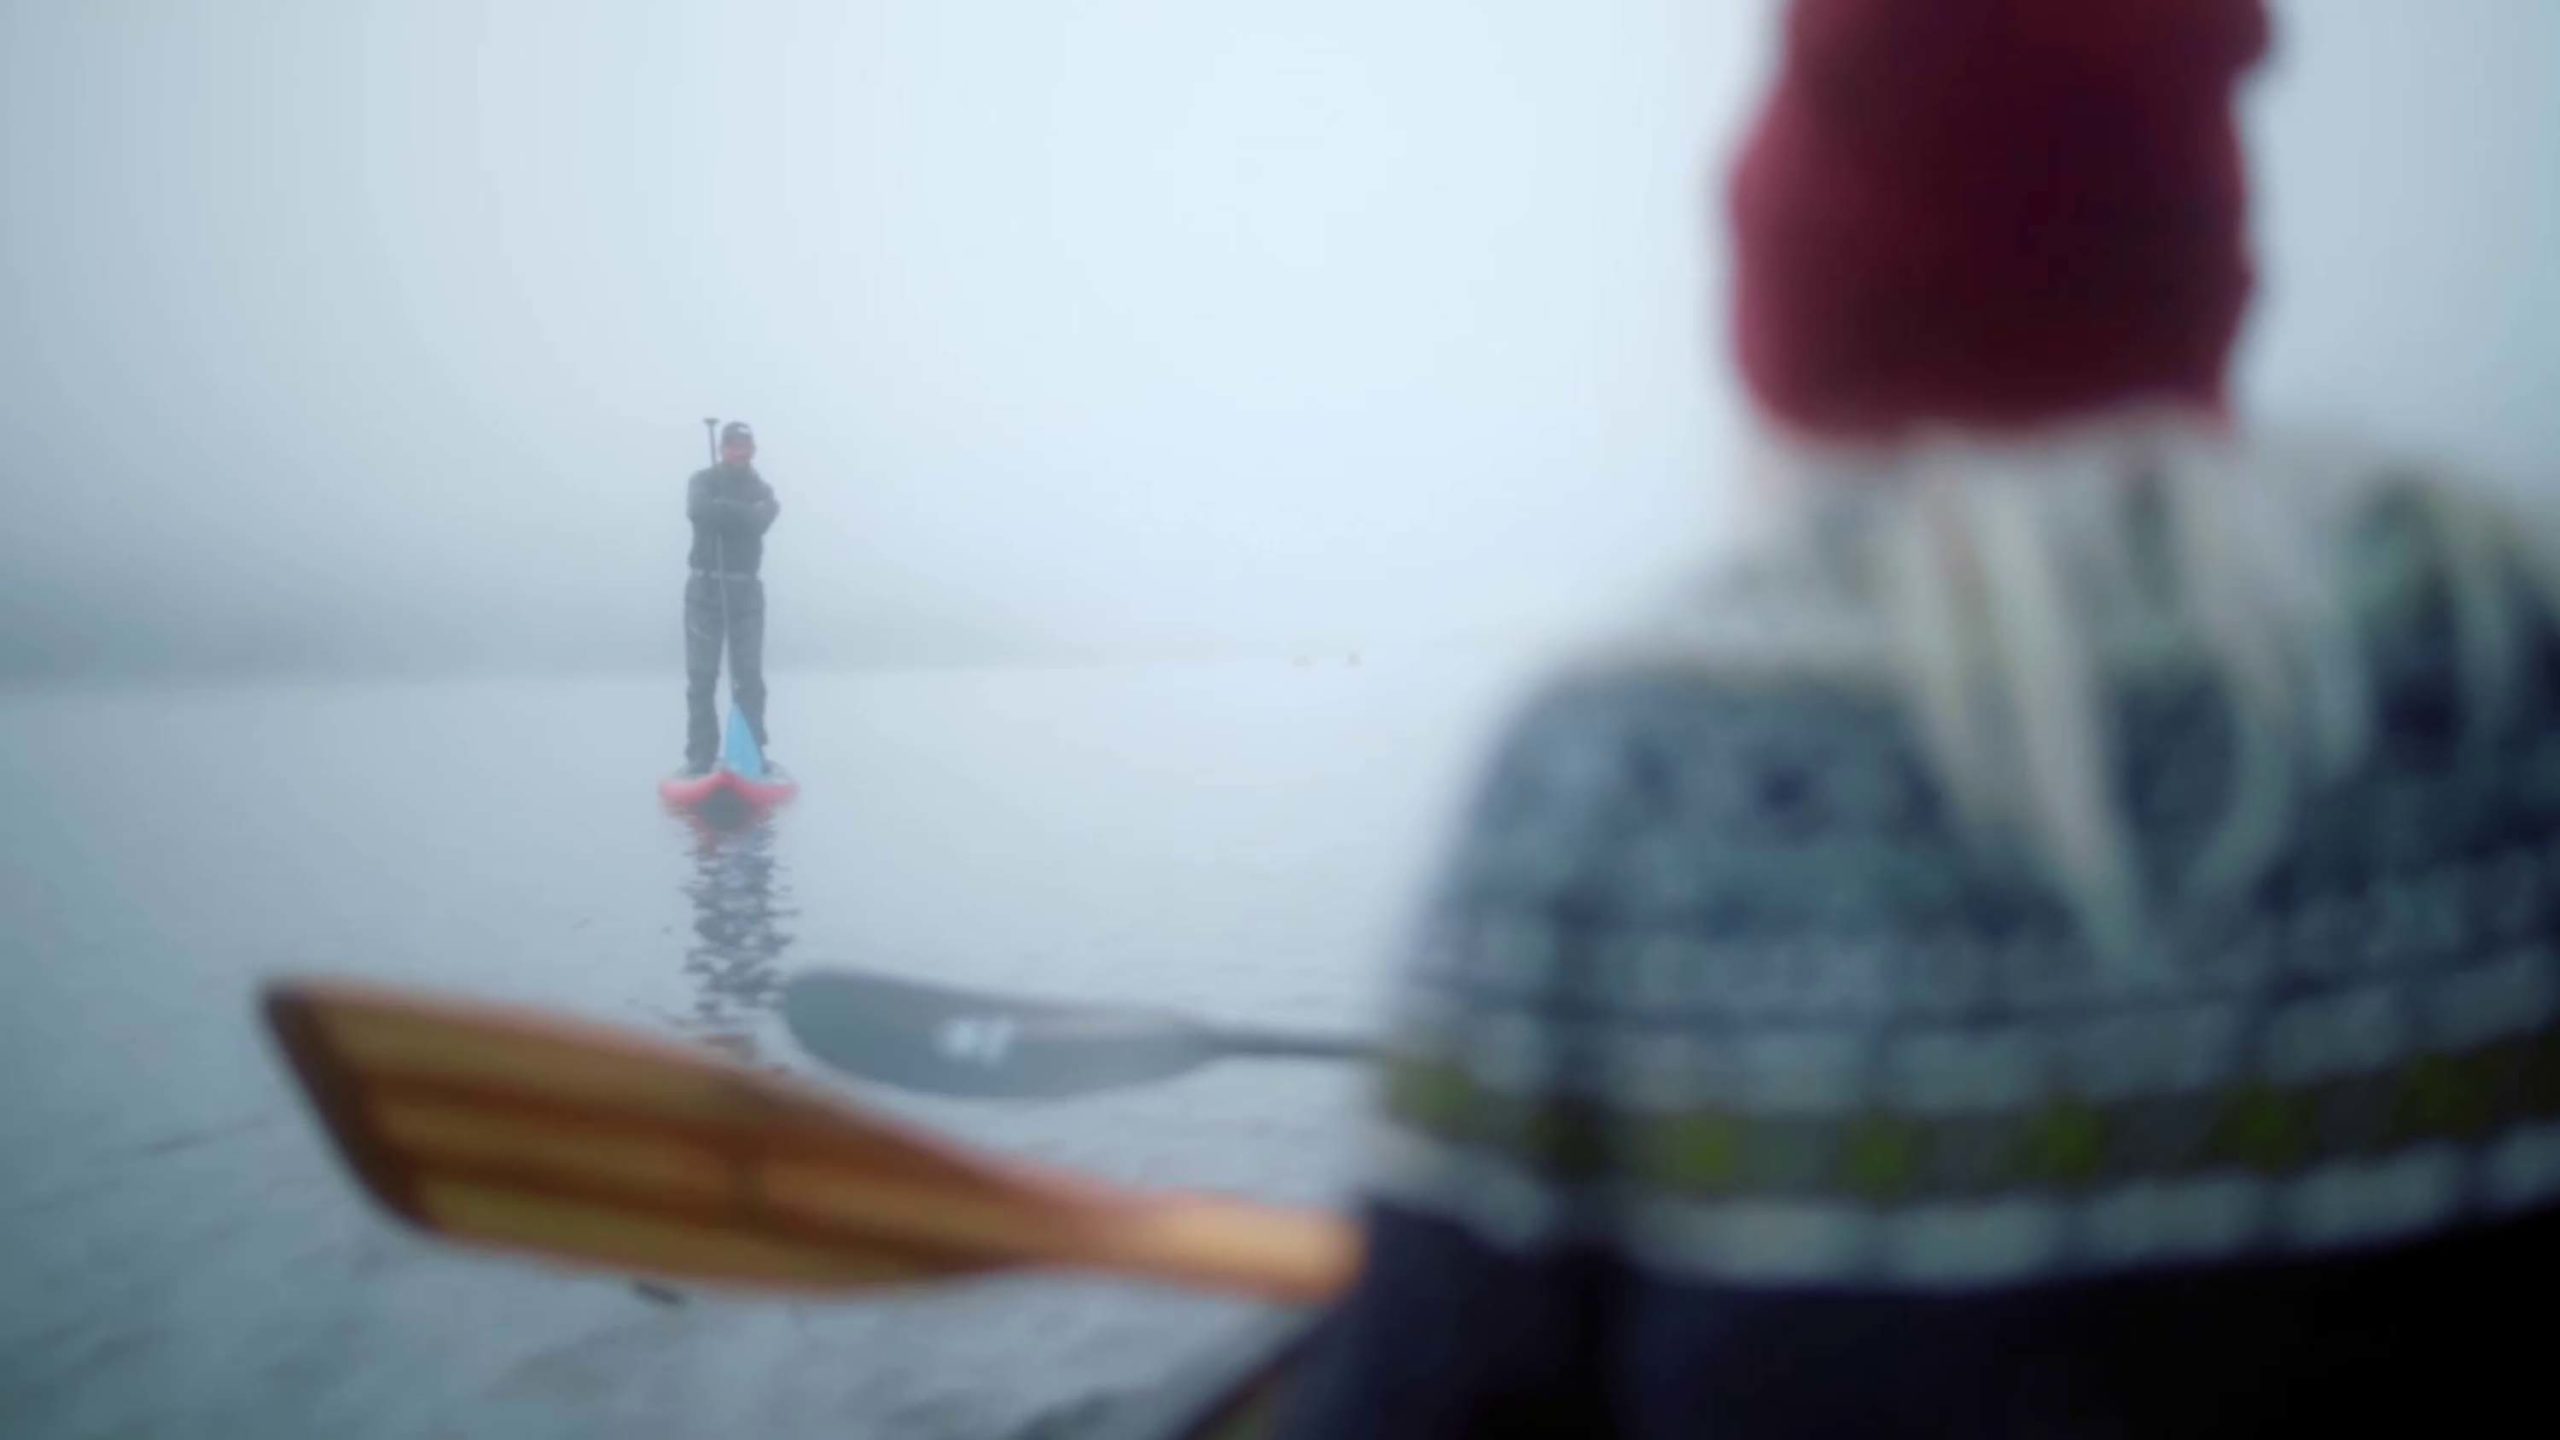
1993,212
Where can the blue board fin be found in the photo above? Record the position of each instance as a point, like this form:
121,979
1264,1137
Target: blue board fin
739,754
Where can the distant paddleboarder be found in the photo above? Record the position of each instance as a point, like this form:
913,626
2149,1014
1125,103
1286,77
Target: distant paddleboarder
731,507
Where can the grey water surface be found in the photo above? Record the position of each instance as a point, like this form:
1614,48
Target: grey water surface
180,1256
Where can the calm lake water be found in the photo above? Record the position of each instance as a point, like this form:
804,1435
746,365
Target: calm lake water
180,1256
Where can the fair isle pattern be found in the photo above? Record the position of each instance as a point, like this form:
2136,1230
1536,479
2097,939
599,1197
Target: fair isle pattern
1714,977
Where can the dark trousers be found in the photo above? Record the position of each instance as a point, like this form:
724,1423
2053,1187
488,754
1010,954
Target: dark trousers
708,620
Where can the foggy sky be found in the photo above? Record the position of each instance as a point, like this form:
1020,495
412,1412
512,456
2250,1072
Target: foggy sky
380,335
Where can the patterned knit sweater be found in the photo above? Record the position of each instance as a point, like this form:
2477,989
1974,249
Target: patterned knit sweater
1736,1090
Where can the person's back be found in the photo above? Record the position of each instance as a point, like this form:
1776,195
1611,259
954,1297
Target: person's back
1738,1080
2055,938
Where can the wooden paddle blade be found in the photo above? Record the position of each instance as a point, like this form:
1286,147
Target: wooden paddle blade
532,1134
523,1132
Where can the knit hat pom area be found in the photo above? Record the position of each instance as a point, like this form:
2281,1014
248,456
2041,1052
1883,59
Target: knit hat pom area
1993,213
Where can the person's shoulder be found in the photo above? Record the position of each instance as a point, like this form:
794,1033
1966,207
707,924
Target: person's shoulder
2452,584
1627,712
1726,638
2413,533
1777,619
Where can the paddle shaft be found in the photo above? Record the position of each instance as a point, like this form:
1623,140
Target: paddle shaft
720,552
1291,1045
1231,1247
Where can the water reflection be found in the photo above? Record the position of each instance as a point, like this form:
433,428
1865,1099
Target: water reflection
741,903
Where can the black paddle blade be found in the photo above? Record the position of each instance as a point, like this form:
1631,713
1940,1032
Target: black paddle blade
950,1042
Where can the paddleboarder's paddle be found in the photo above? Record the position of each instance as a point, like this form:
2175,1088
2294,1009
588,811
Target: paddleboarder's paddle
956,1042
525,1132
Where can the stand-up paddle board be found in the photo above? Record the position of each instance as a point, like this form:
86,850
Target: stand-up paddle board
739,777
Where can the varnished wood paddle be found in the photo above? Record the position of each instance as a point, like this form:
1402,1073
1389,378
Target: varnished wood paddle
531,1133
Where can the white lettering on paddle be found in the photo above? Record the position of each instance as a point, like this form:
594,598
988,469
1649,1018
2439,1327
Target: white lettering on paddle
980,1039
